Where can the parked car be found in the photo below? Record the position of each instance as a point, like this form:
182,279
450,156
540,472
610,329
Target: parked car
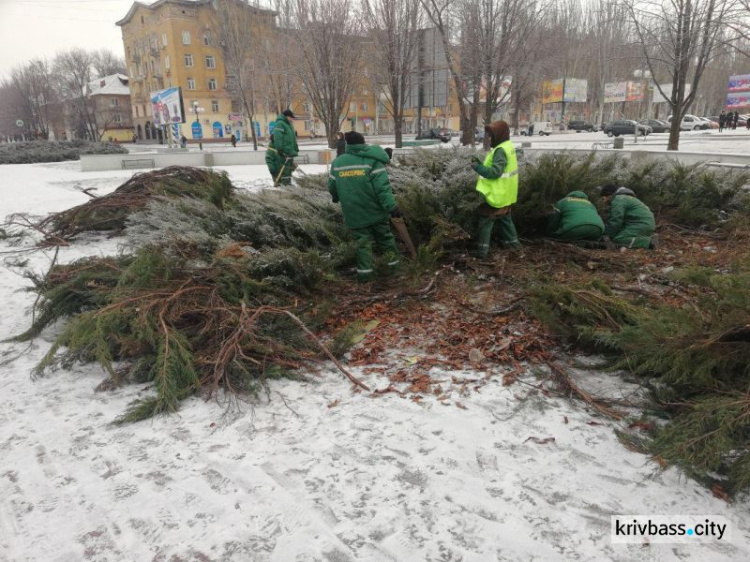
582,126
479,134
433,134
690,123
541,128
710,124
657,125
626,127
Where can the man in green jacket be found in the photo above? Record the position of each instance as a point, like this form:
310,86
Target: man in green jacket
359,180
498,182
282,148
575,218
630,223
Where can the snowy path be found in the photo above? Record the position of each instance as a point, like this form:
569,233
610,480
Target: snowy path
369,479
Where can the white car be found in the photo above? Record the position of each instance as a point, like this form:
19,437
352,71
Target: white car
690,123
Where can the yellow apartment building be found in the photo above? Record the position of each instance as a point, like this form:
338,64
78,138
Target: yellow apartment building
171,43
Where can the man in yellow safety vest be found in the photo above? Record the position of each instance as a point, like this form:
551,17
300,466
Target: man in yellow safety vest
498,182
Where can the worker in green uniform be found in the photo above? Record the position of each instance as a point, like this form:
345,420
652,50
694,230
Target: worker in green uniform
498,182
359,181
575,218
630,223
282,148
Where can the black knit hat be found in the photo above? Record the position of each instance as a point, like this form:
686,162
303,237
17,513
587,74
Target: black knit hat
289,113
353,137
607,189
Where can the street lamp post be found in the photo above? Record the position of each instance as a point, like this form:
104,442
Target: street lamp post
197,109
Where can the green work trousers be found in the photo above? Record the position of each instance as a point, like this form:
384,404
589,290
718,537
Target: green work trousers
507,233
589,232
379,234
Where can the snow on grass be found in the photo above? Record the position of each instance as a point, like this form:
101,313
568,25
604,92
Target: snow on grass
319,473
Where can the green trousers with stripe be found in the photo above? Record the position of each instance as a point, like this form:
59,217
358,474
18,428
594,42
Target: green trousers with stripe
380,235
507,233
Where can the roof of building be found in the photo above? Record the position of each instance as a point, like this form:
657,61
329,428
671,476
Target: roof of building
112,85
158,3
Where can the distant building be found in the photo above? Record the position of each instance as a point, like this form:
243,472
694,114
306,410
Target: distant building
110,103
171,43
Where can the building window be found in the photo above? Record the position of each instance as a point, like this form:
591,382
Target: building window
166,62
191,83
210,61
215,106
212,84
363,107
163,39
207,39
306,107
142,20
352,107
186,38
137,113
188,60
118,118
114,102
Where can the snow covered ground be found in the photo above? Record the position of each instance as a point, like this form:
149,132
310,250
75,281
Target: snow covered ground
316,474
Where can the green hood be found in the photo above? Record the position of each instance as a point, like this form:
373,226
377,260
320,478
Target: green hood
579,194
368,151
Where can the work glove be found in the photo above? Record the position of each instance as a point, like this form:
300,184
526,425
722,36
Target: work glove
396,213
474,163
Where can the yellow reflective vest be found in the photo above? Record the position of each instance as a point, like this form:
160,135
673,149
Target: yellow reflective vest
503,191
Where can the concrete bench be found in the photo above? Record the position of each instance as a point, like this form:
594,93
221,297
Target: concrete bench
138,163
600,145
302,159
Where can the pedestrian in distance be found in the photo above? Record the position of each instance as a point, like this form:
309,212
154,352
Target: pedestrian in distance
233,140
359,181
183,141
498,183
283,149
735,119
722,121
340,144
630,223
575,218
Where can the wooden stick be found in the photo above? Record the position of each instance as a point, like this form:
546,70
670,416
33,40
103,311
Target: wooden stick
586,397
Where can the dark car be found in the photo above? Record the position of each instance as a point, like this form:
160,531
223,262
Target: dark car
433,134
657,126
625,127
582,126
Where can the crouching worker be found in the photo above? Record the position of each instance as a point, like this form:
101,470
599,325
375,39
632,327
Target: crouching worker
630,223
359,180
575,219
498,182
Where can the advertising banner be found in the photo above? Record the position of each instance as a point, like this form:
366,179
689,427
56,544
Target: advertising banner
738,99
615,92
552,91
635,91
667,89
167,106
739,83
576,90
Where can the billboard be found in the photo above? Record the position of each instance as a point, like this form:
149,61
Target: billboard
739,83
636,91
615,92
667,89
167,106
552,91
737,99
576,90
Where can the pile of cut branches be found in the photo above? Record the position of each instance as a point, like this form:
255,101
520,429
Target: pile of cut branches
108,213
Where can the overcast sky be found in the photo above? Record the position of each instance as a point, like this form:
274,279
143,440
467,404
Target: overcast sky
39,28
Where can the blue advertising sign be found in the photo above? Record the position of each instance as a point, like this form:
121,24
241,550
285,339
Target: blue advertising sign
271,127
257,128
197,130
218,130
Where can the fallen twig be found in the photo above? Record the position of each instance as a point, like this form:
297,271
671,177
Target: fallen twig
564,378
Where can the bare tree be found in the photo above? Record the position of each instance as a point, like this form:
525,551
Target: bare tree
73,70
679,38
105,63
34,83
394,30
329,45
236,22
